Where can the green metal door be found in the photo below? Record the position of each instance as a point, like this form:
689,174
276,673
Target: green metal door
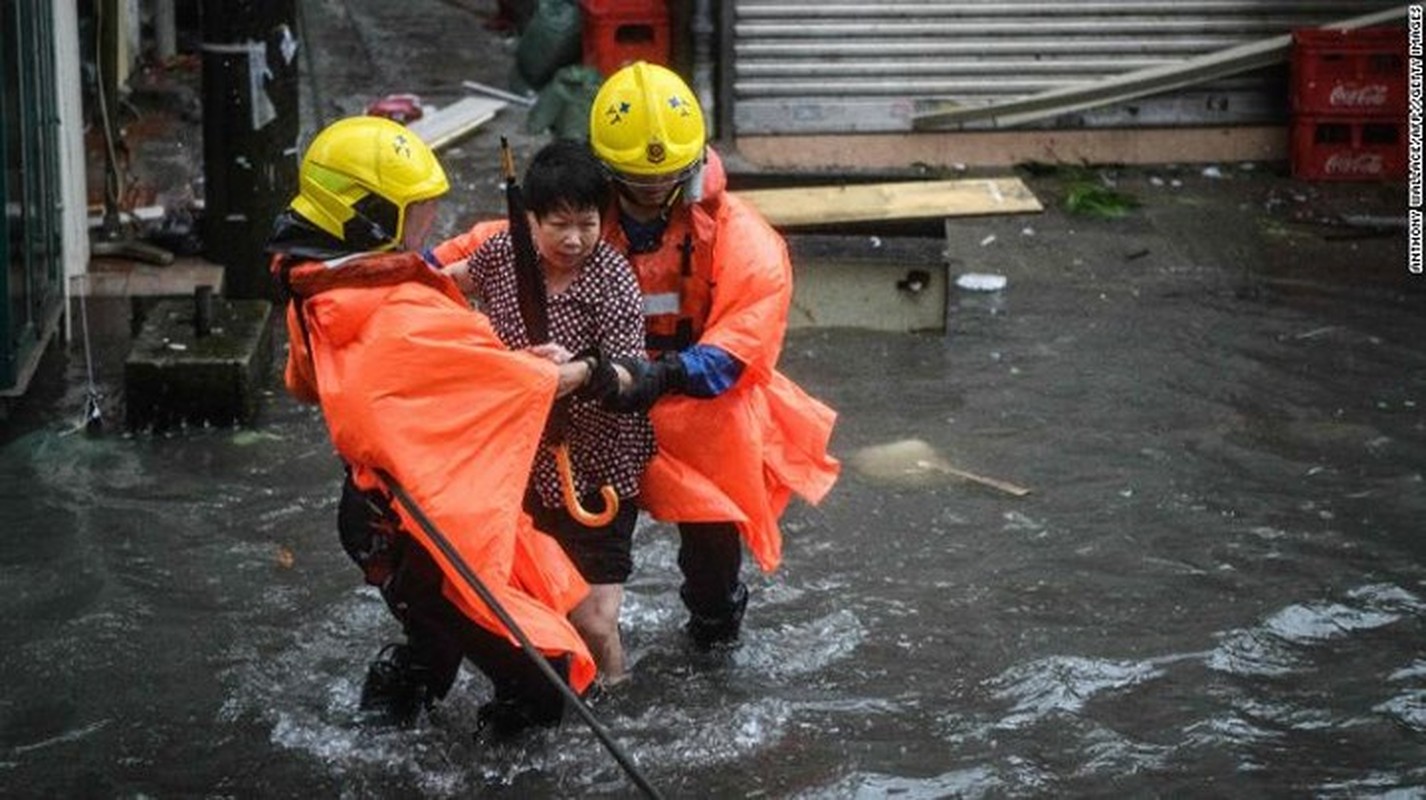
31,284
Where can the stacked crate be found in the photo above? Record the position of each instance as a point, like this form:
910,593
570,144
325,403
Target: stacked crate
618,32
1349,104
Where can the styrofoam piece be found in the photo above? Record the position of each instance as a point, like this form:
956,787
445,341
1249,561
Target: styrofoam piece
981,282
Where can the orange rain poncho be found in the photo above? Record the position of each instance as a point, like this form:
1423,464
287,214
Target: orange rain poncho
414,383
738,457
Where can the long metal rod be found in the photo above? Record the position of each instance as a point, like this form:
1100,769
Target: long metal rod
475,583
1139,84
499,94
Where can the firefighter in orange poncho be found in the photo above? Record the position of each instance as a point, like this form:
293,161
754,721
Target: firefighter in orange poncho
736,438
415,385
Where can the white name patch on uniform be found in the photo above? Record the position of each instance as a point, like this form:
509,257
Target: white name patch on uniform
655,304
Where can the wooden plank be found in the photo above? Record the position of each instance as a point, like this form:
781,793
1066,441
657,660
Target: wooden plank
994,483
1004,149
456,120
962,197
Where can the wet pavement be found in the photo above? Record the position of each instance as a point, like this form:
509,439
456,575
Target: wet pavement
1216,586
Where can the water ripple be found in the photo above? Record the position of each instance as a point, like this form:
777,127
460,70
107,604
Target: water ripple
1408,708
1306,624
1275,647
1063,684
804,648
1109,753
1230,728
1252,652
974,782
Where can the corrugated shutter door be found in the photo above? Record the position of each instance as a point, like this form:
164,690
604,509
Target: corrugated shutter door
804,66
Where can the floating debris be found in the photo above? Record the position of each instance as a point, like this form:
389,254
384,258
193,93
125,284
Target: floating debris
981,282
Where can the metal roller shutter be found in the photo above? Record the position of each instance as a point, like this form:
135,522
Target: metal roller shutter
810,66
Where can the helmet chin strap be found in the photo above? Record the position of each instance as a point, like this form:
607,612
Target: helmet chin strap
666,207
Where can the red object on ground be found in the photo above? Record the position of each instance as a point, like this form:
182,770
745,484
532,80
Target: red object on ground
617,32
1349,104
1354,73
1334,148
403,108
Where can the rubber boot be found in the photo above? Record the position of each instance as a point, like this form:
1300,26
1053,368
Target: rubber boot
396,688
710,558
524,699
713,630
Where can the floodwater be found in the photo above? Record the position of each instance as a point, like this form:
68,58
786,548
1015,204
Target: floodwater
1215,587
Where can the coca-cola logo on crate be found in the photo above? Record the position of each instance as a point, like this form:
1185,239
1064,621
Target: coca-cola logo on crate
1354,164
1358,95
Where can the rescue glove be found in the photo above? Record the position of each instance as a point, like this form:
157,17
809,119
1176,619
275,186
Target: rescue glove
651,380
603,383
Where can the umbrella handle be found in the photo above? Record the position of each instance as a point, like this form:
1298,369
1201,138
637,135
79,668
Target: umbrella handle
571,500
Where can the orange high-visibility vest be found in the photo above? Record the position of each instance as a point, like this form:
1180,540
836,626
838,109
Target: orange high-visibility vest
722,277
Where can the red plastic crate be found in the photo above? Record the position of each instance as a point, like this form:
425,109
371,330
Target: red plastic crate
618,32
1354,73
1331,148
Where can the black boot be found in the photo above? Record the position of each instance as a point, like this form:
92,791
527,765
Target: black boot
396,688
500,721
711,630
524,699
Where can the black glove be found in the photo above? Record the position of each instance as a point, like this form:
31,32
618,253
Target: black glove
602,383
652,380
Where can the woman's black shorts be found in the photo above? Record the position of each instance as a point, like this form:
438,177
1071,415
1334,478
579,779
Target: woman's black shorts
602,555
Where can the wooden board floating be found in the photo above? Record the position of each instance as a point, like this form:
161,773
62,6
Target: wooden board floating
994,483
456,120
961,197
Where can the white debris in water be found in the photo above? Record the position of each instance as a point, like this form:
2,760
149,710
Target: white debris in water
987,240
908,462
981,282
